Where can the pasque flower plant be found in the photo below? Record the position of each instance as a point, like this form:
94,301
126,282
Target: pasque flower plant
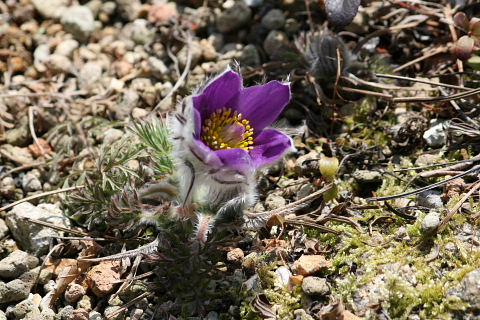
220,139
204,161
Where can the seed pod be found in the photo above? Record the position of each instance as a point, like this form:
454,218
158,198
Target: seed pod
328,167
463,48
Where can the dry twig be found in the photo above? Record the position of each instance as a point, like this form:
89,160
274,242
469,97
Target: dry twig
41,195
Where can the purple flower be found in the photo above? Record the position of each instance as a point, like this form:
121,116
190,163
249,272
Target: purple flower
220,139
230,121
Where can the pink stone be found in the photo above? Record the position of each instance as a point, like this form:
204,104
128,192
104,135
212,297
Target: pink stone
102,277
311,264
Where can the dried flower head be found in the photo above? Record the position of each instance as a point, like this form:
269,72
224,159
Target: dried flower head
319,50
465,45
341,12
220,140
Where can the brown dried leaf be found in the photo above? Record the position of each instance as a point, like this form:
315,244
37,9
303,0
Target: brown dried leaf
263,307
65,277
336,311
35,150
69,270
91,249
275,220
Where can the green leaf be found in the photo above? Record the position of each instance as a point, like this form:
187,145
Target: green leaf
474,63
331,194
155,136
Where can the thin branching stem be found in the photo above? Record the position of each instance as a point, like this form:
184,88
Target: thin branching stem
437,165
182,78
433,83
460,95
429,187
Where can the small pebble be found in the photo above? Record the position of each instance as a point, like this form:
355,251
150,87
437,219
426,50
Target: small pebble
315,286
59,63
157,67
250,56
282,276
129,9
31,183
90,73
274,19
141,33
235,256
430,223
310,264
275,201
275,41
16,263
435,136
79,21
102,277
66,47
74,292
430,199
80,314
50,8
234,17
3,225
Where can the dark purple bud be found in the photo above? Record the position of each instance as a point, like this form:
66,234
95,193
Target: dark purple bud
341,12
463,48
461,20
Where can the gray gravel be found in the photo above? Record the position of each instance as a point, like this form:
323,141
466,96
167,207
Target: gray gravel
16,264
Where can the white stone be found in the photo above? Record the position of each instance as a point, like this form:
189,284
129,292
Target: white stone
78,20
50,8
436,137
33,237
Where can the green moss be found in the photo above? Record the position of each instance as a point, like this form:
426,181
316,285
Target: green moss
284,299
287,301
410,275
423,291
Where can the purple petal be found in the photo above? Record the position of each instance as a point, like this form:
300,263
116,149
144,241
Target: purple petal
198,123
217,93
262,104
204,154
235,158
237,166
269,146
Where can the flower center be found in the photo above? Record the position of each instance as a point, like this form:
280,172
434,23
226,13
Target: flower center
226,130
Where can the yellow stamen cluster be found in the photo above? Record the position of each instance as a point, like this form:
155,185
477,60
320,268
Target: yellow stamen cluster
217,131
